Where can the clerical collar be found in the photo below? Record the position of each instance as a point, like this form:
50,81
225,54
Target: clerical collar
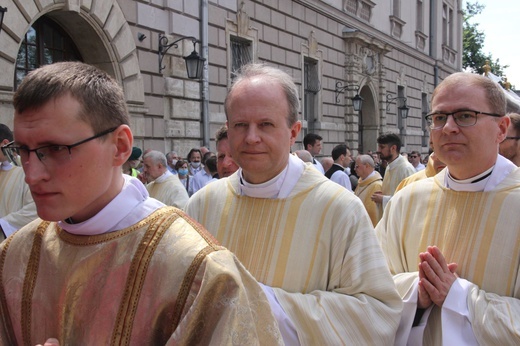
370,175
279,186
130,206
6,166
163,177
486,181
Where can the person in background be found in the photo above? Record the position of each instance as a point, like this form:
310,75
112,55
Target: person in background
370,182
304,155
327,162
433,167
310,242
129,167
17,207
171,158
389,147
342,158
184,175
510,146
225,163
164,186
195,161
461,226
202,177
313,143
415,160
106,264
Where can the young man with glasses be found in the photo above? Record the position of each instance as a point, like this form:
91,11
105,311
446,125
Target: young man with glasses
107,264
461,226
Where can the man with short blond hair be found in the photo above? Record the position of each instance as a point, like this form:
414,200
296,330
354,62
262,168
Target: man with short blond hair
107,264
309,241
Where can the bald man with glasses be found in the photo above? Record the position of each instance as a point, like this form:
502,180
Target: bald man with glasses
461,226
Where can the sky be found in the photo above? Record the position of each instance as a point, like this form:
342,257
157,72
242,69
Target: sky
499,22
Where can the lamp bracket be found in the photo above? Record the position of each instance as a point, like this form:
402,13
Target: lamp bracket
164,46
390,100
340,88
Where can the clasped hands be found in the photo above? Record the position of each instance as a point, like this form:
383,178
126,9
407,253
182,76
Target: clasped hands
435,278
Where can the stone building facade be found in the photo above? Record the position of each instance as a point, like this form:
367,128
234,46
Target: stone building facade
387,51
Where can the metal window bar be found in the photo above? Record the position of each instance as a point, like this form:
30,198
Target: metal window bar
312,81
240,55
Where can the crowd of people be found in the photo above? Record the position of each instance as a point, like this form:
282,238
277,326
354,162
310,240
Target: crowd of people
256,243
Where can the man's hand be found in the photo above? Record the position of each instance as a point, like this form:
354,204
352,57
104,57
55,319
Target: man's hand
435,277
377,197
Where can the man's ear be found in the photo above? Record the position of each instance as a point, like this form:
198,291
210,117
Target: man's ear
123,141
503,124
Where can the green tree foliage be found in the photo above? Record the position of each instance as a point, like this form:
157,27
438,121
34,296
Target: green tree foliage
473,58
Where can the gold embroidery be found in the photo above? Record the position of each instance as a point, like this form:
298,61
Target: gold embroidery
30,281
137,274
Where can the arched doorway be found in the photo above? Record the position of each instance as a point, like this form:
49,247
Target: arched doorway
368,128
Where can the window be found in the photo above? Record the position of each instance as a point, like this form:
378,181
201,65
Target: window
311,87
240,54
424,123
444,24
44,43
420,16
396,11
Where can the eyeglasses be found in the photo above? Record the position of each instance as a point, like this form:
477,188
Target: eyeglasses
463,118
49,155
515,138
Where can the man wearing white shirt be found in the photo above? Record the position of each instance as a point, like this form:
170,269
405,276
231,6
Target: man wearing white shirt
461,226
342,159
415,160
108,264
202,177
313,143
309,241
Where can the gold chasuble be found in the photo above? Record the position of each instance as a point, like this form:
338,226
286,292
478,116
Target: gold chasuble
480,231
365,189
162,281
317,249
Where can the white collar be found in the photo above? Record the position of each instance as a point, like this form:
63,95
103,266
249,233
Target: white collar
278,187
163,177
6,166
131,205
499,171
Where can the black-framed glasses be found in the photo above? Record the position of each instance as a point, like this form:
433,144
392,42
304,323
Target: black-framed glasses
463,118
49,155
515,138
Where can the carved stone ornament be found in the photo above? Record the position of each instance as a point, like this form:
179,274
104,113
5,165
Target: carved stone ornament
370,61
313,44
242,21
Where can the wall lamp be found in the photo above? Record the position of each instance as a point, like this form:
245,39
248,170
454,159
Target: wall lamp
3,10
194,63
357,101
402,110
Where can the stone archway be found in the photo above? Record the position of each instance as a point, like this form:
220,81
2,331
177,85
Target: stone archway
368,120
100,31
